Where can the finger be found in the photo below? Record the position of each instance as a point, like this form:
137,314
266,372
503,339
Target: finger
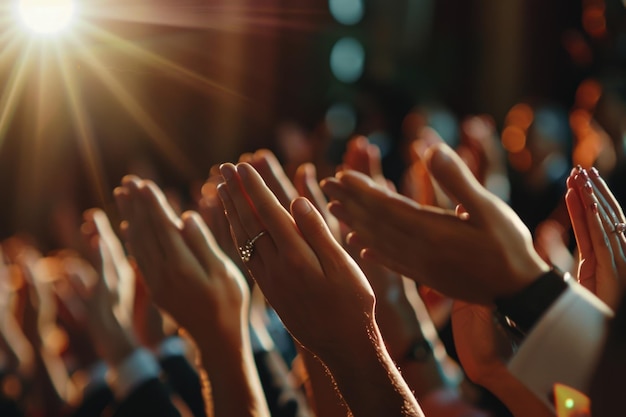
125,286
213,213
458,181
243,208
277,220
165,223
358,195
246,157
356,156
122,199
460,212
201,241
315,231
608,199
578,218
597,222
140,234
305,181
240,235
274,176
109,238
374,162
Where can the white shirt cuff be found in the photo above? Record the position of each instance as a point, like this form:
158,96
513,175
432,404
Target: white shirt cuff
171,346
135,369
564,345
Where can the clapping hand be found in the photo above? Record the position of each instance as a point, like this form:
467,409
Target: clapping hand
493,249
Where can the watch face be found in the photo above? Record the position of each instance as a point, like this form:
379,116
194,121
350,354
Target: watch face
570,402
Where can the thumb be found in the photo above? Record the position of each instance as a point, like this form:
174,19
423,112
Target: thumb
457,180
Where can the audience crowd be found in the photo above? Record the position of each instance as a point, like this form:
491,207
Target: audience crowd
294,295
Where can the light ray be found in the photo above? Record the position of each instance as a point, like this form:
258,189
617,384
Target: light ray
84,131
159,137
231,18
10,96
174,70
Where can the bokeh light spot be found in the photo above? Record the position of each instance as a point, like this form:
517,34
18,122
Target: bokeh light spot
341,120
346,12
520,115
513,138
347,60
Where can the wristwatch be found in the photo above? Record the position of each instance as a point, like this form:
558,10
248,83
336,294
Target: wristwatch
526,307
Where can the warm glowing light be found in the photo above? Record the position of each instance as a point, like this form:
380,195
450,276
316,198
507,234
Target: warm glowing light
594,20
520,115
46,16
513,138
588,94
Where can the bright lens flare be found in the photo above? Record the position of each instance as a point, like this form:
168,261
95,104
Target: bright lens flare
46,16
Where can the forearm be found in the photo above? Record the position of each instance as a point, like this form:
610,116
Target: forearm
235,386
52,389
520,401
369,381
322,389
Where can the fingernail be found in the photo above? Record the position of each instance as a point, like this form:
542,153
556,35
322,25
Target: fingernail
227,171
221,191
588,187
594,172
579,180
579,168
301,206
242,170
351,238
594,208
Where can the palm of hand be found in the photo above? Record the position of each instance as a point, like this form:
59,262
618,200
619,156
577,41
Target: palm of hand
481,344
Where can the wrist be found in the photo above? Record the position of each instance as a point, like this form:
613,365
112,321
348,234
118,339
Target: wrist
368,379
112,341
527,305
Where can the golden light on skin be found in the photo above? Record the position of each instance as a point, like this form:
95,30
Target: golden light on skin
46,16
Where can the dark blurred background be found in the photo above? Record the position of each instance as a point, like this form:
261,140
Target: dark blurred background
197,83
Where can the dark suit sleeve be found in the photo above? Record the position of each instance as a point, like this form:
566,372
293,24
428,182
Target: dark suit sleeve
94,403
283,399
151,398
185,381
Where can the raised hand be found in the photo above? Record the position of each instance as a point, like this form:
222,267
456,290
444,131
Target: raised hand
596,218
364,157
119,275
319,292
191,278
109,337
212,212
484,349
491,247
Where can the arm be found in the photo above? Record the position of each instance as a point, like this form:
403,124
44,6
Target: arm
189,276
330,308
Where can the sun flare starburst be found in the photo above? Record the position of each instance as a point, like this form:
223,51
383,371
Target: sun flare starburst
63,61
46,16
